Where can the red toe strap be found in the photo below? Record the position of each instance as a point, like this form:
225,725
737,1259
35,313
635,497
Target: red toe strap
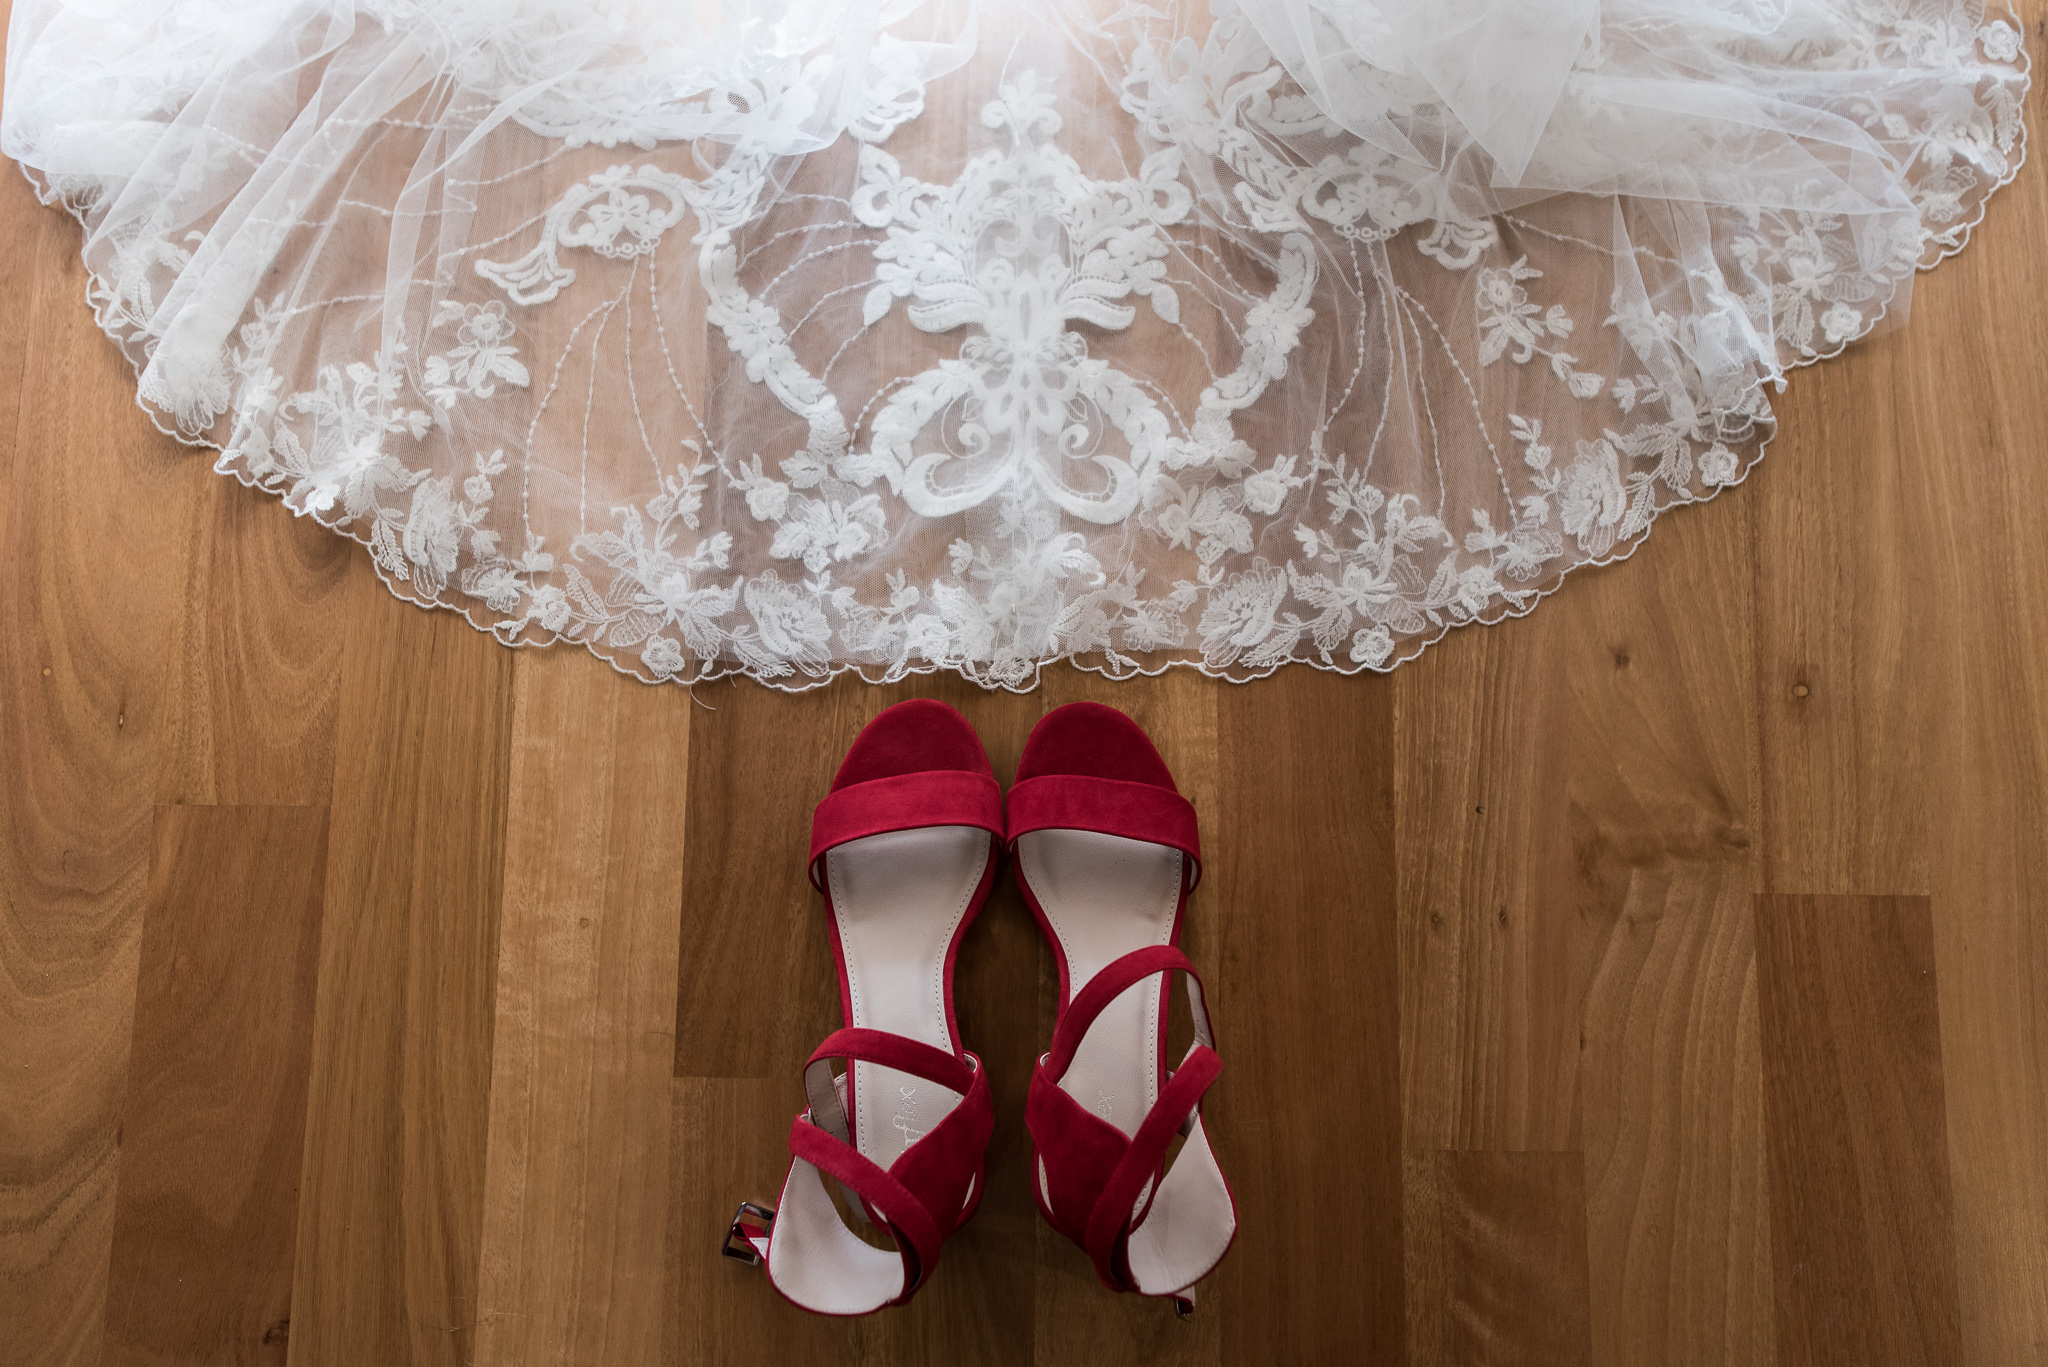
1135,811
934,797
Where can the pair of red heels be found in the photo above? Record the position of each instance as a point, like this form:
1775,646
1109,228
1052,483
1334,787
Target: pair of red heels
905,849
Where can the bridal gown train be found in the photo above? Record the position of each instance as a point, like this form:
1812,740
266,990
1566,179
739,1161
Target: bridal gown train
810,337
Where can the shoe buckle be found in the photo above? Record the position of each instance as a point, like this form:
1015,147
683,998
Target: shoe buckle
738,1244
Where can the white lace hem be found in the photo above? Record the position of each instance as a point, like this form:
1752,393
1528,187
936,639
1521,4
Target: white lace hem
438,552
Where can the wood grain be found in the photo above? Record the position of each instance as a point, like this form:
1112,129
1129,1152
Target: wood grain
1664,812
1490,949
576,1177
1902,639
1862,1234
1677,1189
1577,818
85,600
1504,1234
391,1198
214,1121
746,922
1307,1115
255,660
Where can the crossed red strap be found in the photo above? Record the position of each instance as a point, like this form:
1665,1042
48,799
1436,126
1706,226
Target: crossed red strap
920,1197
1093,1173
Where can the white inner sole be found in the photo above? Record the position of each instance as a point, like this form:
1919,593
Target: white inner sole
1105,896
899,899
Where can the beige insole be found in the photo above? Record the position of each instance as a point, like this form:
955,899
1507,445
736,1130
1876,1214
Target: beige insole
1104,896
899,899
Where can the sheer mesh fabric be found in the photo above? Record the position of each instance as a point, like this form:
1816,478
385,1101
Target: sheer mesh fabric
805,338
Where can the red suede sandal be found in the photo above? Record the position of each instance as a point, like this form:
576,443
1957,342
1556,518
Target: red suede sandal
904,847
1106,853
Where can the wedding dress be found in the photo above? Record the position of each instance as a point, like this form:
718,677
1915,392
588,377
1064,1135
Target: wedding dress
807,337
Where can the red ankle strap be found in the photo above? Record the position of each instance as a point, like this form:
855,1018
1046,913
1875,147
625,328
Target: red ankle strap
908,1218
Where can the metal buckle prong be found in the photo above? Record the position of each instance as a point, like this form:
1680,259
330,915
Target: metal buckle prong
743,1250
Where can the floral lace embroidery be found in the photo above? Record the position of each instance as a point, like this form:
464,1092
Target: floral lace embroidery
1038,425
969,254
604,214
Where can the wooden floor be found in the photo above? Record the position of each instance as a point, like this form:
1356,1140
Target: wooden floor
1659,979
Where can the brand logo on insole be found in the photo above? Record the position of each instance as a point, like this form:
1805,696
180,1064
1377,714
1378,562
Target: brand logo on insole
905,1121
1104,1104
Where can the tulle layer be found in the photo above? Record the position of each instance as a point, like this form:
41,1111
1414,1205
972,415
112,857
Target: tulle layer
899,337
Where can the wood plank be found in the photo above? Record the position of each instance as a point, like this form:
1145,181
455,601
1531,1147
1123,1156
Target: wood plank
1577,836
758,763
1903,633
1492,961
1677,1184
390,1203
1505,1235
1307,1117
254,683
215,1116
1980,428
1862,1237
576,1183
1664,812
97,505
1493,925
1846,710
